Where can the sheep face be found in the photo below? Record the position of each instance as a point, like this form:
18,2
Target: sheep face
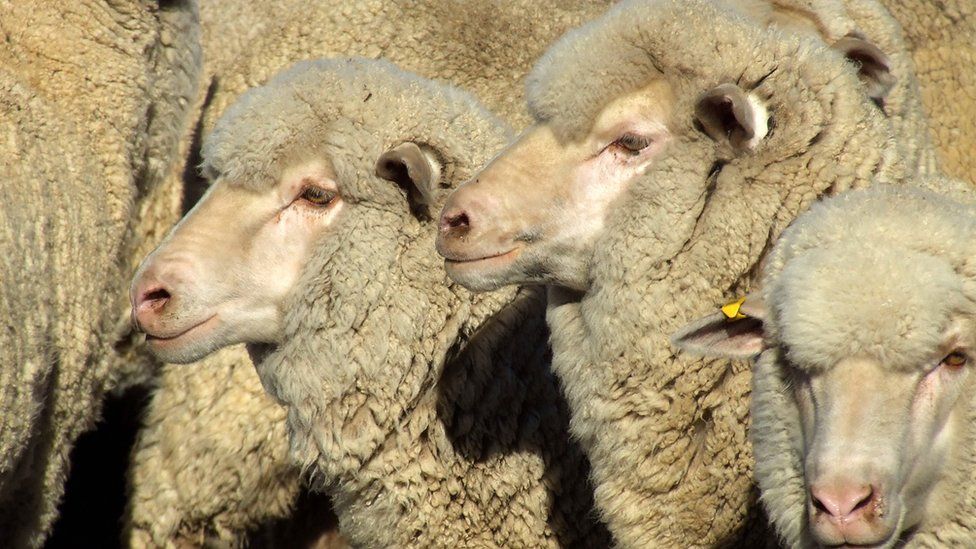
863,489
853,453
533,214
352,150
221,275
858,408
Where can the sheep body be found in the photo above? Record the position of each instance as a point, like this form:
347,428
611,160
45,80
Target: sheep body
244,45
427,413
95,99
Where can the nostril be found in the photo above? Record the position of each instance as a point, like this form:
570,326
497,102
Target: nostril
154,298
864,501
819,506
459,220
455,220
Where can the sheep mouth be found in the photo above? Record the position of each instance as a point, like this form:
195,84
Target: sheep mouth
885,543
455,261
157,340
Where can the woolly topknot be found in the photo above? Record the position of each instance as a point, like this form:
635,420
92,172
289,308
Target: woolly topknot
866,258
688,42
256,137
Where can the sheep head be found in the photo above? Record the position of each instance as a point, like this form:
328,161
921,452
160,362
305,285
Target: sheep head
324,150
867,339
633,100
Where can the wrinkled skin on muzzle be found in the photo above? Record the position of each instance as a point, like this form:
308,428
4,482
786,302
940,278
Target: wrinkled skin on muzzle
221,275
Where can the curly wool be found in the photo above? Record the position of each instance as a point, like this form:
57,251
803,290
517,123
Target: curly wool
248,464
666,435
903,105
865,235
429,414
835,19
939,36
436,39
94,101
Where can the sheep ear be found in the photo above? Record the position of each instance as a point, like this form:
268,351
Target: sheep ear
416,170
734,332
874,67
730,115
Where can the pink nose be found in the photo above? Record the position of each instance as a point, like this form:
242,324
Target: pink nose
843,502
149,299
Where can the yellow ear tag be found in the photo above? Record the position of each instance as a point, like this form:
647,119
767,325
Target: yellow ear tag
731,311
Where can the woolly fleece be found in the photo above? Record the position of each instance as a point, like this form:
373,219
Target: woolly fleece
94,99
183,467
244,44
666,435
836,19
916,248
940,37
429,414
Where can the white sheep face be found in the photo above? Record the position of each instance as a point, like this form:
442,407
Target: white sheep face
874,440
855,450
533,214
221,275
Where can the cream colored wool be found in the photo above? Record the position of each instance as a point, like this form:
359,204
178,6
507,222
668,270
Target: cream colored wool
94,100
666,436
940,37
486,48
816,316
832,20
903,105
429,414
249,468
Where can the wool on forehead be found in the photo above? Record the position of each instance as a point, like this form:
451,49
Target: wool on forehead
693,44
875,273
316,104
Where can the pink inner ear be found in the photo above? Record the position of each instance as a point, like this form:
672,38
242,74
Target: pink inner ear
718,336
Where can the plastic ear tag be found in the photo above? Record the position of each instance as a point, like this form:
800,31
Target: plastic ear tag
731,311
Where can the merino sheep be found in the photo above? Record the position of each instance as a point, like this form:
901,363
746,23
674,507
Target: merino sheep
94,98
876,374
932,60
429,414
244,44
720,139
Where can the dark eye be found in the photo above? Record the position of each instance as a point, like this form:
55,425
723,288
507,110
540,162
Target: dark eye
955,360
318,196
631,144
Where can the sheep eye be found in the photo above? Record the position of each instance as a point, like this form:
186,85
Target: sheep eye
317,196
955,360
631,144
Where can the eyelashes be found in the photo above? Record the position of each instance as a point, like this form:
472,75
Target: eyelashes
317,196
631,144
